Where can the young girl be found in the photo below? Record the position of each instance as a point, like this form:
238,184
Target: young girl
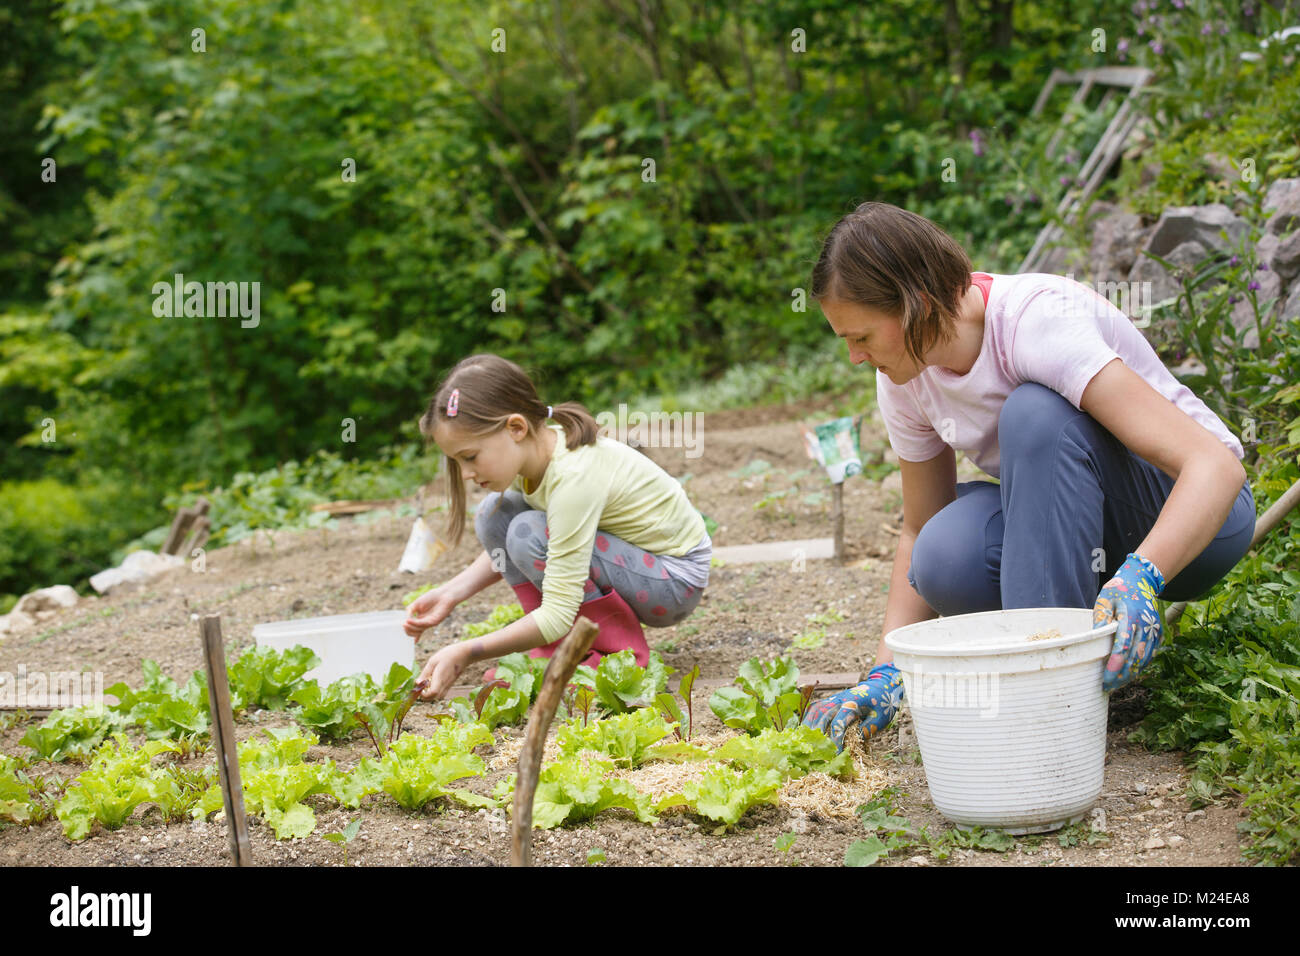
576,523
1118,484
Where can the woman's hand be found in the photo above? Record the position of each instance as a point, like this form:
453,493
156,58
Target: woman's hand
873,703
442,670
1130,598
428,610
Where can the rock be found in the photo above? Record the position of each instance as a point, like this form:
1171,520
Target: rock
1139,788
1205,225
1154,843
919,860
1116,237
15,623
1175,839
1284,258
1291,308
1157,803
1194,816
1283,199
138,566
1164,285
47,599
1098,821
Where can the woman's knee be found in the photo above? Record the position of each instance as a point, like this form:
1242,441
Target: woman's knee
950,557
1031,419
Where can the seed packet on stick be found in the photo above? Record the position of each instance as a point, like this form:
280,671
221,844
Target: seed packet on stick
834,446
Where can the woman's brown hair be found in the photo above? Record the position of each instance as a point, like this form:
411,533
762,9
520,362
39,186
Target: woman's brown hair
893,260
491,390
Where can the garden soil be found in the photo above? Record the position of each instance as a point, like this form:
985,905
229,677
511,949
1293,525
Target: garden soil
754,479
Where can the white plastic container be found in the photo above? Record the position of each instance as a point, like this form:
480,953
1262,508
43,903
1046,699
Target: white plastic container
345,643
1012,730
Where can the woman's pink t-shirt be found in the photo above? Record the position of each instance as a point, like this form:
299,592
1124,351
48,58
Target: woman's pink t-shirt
1037,328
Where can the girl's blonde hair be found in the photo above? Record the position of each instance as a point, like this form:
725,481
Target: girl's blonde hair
893,260
491,390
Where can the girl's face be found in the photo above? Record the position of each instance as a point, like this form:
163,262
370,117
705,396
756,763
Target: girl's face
872,337
492,461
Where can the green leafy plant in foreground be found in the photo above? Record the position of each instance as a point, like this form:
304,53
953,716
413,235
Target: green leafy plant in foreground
573,790
724,795
768,696
72,733
162,708
263,677
792,752
627,738
333,711
623,685
416,770
119,779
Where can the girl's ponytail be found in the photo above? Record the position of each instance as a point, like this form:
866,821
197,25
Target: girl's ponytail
579,426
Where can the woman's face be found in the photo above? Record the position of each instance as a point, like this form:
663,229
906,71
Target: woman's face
492,461
872,337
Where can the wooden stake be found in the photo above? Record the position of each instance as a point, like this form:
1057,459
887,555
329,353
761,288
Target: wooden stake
837,516
223,739
572,650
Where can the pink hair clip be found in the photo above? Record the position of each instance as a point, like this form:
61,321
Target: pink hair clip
453,403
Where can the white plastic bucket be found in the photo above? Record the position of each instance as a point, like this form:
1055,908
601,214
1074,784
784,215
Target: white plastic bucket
345,643
1012,730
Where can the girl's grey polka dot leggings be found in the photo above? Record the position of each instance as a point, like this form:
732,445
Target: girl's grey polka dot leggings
507,526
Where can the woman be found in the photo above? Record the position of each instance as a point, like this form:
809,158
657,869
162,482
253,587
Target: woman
1118,484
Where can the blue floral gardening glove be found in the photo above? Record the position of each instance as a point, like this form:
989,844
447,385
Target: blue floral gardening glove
1130,598
873,702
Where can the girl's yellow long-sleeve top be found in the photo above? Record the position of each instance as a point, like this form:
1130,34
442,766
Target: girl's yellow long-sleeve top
615,488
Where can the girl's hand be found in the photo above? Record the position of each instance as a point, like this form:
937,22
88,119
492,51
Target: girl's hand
442,670
428,610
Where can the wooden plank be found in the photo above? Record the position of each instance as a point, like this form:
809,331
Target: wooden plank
776,552
223,739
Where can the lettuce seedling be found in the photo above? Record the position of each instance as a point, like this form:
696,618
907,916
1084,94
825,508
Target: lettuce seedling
768,697
623,685
625,737
723,794
162,708
263,677
119,779
792,752
572,791
72,733
418,769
